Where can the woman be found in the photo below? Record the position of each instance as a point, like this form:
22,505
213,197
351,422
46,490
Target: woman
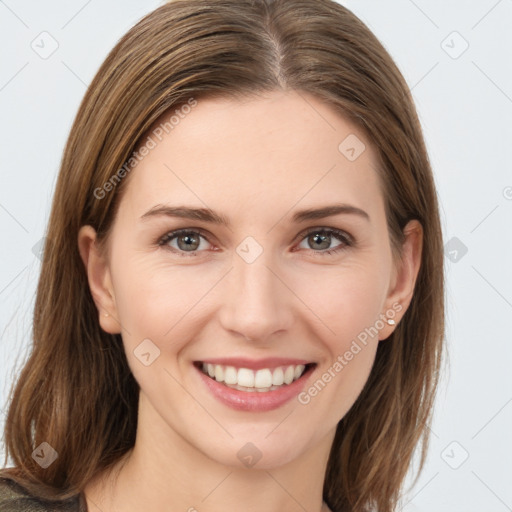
195,349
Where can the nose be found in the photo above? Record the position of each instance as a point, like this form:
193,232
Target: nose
256,302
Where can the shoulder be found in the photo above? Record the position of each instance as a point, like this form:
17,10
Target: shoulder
15,498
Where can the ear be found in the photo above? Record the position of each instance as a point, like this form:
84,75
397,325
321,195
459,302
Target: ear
99,278
404,277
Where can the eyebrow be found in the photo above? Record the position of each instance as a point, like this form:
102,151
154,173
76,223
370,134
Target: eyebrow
208,215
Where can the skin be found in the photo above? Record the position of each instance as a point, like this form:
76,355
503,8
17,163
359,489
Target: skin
256,162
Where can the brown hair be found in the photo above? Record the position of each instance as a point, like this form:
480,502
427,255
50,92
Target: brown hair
76,391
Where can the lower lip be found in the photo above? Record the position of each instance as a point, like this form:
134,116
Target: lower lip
255,401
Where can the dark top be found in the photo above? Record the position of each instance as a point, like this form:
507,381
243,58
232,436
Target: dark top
15,498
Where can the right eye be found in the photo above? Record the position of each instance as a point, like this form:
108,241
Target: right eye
187,241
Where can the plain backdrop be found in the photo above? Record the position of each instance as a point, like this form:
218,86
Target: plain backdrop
456,57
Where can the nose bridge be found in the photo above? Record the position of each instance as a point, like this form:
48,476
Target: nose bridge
256,302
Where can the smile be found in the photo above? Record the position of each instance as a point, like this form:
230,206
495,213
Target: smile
246,379
268,386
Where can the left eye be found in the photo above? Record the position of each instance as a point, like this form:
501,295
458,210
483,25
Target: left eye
324,236
189,241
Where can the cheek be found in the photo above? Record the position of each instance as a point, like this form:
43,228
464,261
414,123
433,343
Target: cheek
346,299
348,303
156,300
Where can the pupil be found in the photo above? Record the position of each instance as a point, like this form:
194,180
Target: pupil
320,238
189,240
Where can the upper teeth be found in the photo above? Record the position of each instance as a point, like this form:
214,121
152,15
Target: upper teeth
246,377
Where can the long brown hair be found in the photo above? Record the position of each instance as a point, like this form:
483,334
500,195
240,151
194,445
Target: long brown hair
76,391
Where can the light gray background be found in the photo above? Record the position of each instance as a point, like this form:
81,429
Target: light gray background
464,99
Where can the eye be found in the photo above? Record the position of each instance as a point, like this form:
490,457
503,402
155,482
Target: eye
321,238
187,241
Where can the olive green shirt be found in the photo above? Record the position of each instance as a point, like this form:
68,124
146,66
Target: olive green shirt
15,498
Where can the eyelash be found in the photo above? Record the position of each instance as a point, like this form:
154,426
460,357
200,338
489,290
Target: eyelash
345,238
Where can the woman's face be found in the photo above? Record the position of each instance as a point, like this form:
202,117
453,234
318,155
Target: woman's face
267,288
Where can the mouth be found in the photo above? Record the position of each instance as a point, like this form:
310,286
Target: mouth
252,380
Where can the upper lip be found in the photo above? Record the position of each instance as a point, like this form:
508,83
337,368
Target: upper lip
255,364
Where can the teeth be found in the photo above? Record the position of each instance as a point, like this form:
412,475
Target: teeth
298,371
230,375
246,379
219,373
278,377
288,375
263,379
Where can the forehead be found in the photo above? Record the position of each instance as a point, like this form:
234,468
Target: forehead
280,148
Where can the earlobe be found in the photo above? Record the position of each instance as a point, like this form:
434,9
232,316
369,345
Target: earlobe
99,279
406,274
